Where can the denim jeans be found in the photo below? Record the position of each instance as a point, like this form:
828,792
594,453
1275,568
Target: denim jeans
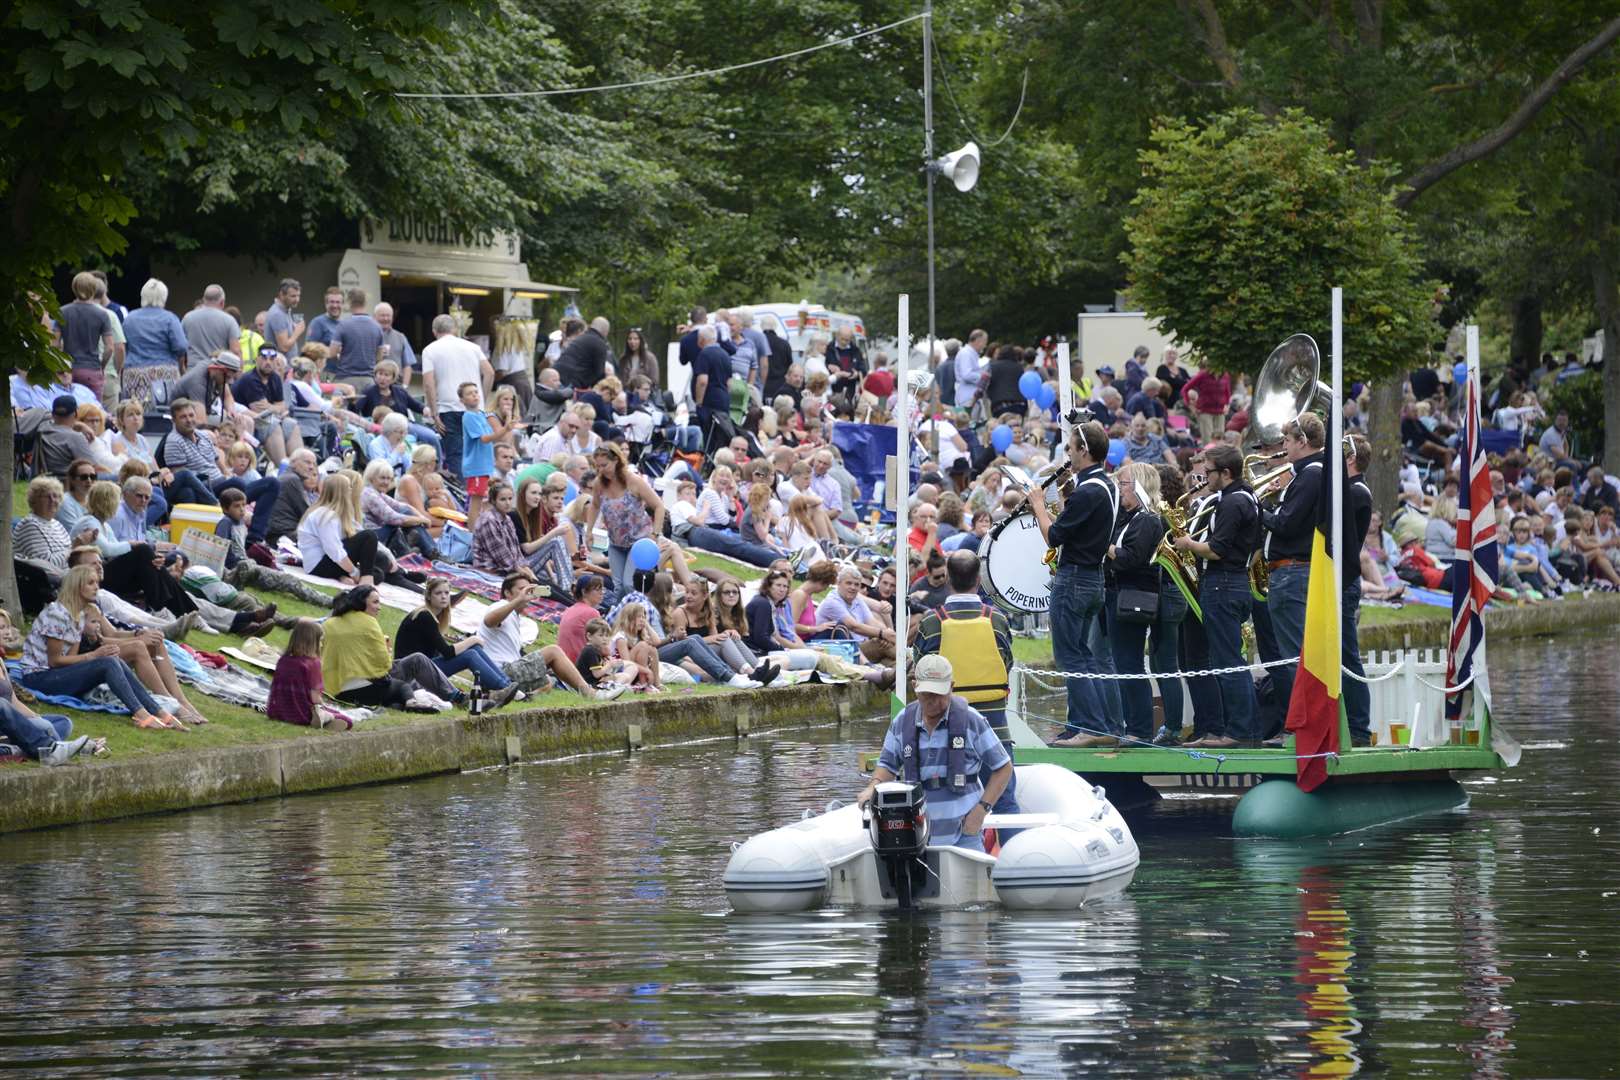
33,734
157,509
1357,698
186,488
1100,640
688,437
624,571
696,650
1226,602
1164,645
1077,598
1203,692
476,660
1285,602
424,434
1128,642
726,542
450,449
77,680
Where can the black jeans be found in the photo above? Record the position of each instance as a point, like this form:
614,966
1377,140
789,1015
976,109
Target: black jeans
132,575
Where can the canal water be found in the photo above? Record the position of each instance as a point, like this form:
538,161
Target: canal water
568,920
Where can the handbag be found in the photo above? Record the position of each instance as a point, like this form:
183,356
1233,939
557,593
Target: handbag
1138,606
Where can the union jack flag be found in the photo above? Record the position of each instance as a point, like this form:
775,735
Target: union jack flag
1474,566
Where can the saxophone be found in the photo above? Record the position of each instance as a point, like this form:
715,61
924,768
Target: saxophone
1181,566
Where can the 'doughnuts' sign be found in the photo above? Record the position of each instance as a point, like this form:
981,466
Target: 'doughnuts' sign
413,234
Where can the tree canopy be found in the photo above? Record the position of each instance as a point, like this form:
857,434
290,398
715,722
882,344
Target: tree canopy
1245,223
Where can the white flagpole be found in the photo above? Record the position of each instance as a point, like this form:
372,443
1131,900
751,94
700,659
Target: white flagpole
905,402
1335,466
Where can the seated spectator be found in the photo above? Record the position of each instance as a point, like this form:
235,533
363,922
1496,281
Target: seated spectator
297,685
389,517
261,392
423,630
503,642
357,666
847,609
331,541
589,592
69,651
495,543
46,738
598,665
390,446
1142,446
63,441
633,642
387,391
547,539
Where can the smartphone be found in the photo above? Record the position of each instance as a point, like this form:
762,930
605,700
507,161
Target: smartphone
298,318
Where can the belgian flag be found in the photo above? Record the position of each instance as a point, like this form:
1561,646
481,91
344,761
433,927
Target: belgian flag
1313,711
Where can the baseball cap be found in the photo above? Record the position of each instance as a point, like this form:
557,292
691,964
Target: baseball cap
934,675
65,405
1106,370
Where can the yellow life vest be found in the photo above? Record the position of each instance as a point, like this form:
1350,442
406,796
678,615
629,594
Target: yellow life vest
970,646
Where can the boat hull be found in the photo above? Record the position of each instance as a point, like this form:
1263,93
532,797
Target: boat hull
1280,810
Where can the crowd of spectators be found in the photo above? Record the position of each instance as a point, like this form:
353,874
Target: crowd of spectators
585,483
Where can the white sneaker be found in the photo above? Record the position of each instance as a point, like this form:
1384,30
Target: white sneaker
608,693
742,682
62,752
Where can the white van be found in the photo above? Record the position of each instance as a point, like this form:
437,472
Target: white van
797,323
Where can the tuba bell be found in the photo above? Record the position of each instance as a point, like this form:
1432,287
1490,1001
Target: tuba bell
1288,384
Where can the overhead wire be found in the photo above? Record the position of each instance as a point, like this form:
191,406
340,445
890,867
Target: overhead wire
962,116
478,95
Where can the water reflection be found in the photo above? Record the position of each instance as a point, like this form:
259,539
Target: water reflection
569,920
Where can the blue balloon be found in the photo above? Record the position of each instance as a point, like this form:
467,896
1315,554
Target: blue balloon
1116,451
644,554
1459,372
1001,438
1029,384
571,492
1047,396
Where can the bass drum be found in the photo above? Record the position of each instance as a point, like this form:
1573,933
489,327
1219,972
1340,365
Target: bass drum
1014,570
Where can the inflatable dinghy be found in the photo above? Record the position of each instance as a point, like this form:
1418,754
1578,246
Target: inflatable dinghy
1071,846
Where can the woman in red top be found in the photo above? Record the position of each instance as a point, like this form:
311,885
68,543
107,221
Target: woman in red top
296,686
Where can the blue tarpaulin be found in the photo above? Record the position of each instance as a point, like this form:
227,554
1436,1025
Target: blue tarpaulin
865,448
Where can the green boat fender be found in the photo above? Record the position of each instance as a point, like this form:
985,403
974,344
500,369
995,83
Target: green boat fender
1279,809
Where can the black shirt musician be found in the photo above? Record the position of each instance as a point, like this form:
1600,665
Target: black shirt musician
1291,529
1224,595
1081,534
1358,508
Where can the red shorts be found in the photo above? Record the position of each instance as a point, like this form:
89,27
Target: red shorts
478,485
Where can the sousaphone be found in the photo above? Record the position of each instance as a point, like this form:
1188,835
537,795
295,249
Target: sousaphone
1287,386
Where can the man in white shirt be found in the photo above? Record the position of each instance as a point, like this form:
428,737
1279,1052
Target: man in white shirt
969,366
571,434
447,363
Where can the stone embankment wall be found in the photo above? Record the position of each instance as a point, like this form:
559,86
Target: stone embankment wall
32,798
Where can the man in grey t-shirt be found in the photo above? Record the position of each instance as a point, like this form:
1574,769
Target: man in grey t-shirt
209,330
280,329
358,338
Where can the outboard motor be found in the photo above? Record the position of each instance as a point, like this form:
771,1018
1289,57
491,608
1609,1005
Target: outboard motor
897,818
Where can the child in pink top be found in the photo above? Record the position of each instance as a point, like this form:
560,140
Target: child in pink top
296,687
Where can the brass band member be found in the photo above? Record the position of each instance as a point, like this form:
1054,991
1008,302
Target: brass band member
1358,507
1224,593
1082,533
1203,693
1133,592
1290,529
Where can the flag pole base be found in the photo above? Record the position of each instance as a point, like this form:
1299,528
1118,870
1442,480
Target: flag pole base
1280,810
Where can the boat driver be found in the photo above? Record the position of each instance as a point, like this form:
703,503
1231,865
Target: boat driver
942,742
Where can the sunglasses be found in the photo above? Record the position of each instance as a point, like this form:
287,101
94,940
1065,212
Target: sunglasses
84,476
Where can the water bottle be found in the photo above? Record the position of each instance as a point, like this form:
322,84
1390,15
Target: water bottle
476,702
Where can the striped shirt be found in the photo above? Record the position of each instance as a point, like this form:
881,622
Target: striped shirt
41,539
196,454
495,543
983,749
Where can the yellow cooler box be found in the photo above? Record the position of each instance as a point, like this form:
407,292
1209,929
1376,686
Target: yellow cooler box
199,516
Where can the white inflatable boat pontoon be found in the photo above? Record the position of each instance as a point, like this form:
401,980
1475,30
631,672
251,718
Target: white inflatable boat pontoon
1073,846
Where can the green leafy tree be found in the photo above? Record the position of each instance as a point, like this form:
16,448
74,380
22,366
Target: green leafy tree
87,89
1245,223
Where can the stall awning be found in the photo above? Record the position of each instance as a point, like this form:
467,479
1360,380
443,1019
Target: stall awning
462,272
